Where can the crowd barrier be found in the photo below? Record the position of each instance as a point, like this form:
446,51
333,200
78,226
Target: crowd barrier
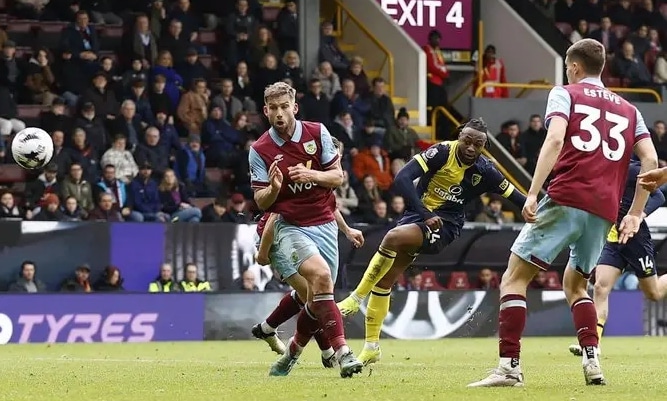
71,318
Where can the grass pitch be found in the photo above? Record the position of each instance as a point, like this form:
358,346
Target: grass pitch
410,370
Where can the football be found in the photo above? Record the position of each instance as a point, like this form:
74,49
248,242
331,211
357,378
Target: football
32,148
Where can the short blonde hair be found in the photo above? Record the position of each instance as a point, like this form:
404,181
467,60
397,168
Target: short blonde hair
278,89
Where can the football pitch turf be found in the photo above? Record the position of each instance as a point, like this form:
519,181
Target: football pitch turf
237,370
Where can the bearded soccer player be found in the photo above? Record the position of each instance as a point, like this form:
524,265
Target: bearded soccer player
294,166
590,140
450,175
292,302
637,255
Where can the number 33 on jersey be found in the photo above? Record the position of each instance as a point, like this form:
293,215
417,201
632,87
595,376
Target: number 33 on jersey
602,129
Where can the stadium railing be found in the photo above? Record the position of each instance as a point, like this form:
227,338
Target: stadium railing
513,85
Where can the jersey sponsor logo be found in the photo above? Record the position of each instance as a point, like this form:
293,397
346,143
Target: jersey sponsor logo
451,194
310,147
300,187
504,185
476,179
430,153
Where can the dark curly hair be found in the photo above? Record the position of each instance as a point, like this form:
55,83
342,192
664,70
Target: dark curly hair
477,124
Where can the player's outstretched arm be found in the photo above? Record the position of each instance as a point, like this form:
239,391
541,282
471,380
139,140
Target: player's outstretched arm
266,241
653,179
546,161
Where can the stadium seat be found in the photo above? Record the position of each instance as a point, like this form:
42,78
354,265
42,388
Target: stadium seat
11,173
110,36
23,52
431,281
207,37
20,31
270,14
29,113
612,82
553,281
458,281
565,28
214,175
621,31
201,202
48,33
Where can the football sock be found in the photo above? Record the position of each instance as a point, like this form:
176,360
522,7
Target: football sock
306,325
322,340
377,268
511,322
585,322
376,312
601,323
288,307
330,319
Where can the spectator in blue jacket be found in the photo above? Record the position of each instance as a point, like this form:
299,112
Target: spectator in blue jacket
118,191
348,100
191,167
144,196
220,138
175,200
174,82
168,134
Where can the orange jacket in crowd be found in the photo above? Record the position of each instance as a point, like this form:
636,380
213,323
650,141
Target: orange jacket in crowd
364,163
435,66
494,71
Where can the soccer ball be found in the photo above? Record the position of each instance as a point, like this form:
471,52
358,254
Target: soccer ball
32,148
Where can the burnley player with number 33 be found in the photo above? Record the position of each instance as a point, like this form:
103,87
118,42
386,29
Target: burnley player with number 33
294,166
590,140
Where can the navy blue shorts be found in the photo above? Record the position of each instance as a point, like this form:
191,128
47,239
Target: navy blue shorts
637,255
434,241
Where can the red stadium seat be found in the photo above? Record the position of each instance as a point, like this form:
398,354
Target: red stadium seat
458,281
214,175
565,28
30,111
11,173
20,31
593,26
201,202
430,281
270,14
207,37
226,175
621,31
649,60
552,281
23,51
48,33
612,82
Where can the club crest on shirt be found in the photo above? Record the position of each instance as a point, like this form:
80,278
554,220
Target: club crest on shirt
310,147
476,179
430,153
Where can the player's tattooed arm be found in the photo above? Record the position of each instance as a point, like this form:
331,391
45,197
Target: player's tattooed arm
266,241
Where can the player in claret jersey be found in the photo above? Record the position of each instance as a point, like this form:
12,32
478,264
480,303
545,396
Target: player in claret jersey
590,140
294,166
636,255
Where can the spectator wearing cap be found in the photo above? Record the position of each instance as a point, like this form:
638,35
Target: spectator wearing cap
50,210
141,43
83,40
13,71
55,119
165,281
172,81
401,141
117,189
191,167
105,211
46,183
236,213
239,26
437,72
288,27
193,109
229,104
27,281
160,101
373,161
175,200
40,80
329,50
9,122
192,68
9,210
80,282
128,124
71,210
121,158
139,96
85,154
214,211
151,152
110,281
219,138
96,132
104,100
137,72
191,282
314,105
69,83
77,186
493,211
144,196
174,42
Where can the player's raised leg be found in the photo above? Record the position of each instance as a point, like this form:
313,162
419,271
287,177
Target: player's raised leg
378,308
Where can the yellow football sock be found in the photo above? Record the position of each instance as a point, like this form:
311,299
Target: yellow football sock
600,328
378,307
377,268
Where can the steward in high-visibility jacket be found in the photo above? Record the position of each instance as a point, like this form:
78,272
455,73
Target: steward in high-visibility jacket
195,286
160,285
